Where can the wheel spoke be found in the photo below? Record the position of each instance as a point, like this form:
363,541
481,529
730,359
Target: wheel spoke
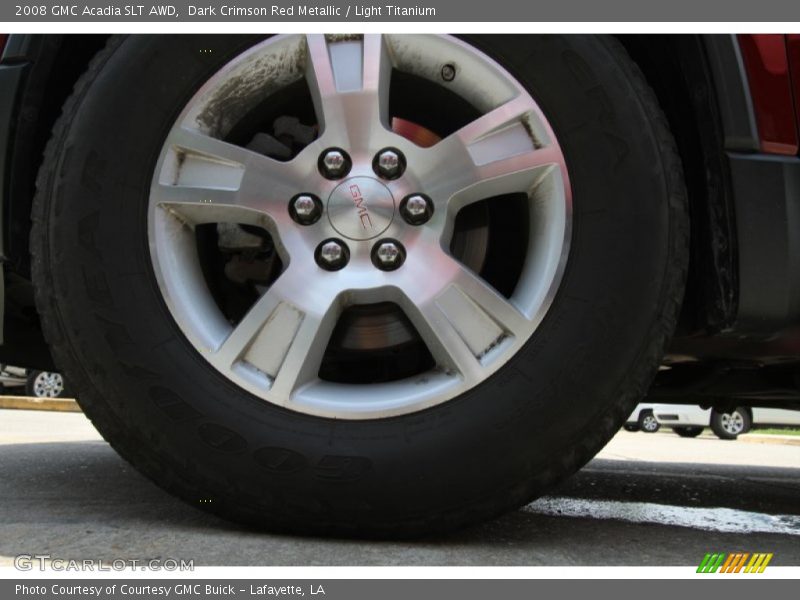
197,206
199,144
445,342
247,331
282,338
304,356
349,83
206,180
464,321
495,154
493,304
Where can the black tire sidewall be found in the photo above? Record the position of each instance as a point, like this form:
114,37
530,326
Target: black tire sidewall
493,447
30,379
688,431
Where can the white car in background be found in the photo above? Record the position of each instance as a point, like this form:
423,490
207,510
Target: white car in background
689,421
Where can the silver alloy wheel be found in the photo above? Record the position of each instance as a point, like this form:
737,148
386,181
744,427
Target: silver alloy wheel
276,349
732,423
48,385
649,423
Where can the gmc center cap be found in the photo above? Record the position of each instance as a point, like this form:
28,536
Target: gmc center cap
360,208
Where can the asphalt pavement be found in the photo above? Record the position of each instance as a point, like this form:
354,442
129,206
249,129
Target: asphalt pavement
647,499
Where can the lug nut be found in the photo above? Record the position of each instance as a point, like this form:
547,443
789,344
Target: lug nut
305,209
334,163
388,254
332,254
389,163
416,209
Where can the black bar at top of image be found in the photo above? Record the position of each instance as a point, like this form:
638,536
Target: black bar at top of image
276,11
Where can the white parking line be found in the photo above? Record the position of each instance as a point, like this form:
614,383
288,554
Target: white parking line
725,520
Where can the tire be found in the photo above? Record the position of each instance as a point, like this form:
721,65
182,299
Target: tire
45,384
729,425
648,423
194,431
688,431
630,427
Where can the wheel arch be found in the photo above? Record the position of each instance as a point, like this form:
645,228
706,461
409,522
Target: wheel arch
43,70
51,64
684,73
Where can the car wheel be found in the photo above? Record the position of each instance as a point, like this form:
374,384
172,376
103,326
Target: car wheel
729,425
648,422
360,285
688,431
45,384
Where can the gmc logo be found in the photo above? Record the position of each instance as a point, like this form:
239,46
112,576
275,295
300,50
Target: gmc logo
361,208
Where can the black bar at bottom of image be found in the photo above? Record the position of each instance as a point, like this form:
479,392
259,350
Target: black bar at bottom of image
733,587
